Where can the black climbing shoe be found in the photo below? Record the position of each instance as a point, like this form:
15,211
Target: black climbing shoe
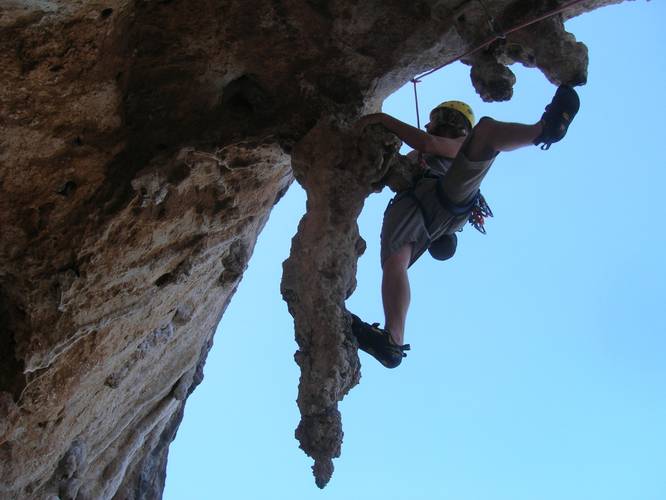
378,343
559,114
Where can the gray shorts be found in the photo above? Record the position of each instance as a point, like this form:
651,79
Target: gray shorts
406,222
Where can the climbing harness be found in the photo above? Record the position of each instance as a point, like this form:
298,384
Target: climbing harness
476,210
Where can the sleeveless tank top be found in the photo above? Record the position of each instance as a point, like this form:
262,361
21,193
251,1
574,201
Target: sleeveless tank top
437,165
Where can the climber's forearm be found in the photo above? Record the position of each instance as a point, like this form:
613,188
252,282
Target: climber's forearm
413,137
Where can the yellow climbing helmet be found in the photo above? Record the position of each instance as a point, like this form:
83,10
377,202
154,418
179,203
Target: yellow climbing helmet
461,107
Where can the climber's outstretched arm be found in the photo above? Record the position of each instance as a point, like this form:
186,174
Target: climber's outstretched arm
413,137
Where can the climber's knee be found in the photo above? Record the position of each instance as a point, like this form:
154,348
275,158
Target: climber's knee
398,260
480,146
485,127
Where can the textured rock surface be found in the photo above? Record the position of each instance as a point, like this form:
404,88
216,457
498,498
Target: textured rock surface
545,45
338,171
142,146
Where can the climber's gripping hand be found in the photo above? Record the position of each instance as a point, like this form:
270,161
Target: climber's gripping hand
370,119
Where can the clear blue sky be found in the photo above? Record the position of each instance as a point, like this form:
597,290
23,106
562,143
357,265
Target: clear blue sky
537,366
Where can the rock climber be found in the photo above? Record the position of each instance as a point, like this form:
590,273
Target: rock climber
455,156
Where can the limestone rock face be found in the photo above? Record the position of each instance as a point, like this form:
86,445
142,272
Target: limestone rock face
338,170
142,146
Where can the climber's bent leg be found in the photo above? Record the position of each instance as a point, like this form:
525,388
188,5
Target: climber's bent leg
490,137
396,292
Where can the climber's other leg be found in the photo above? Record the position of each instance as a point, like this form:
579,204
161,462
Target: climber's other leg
396,292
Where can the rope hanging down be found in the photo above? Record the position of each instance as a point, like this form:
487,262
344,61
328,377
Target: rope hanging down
499,34
416,100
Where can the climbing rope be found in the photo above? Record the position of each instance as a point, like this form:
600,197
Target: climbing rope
498,35
416,100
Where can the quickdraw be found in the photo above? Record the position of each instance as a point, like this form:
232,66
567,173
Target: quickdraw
480,211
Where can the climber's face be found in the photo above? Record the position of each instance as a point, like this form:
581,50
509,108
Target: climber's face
446,122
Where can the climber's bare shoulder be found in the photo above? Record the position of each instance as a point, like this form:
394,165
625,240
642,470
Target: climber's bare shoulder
443,146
